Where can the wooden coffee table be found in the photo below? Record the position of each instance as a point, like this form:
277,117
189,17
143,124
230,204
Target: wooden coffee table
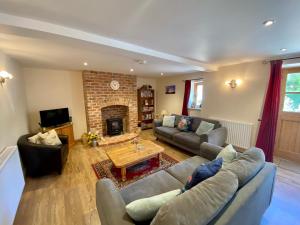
126,155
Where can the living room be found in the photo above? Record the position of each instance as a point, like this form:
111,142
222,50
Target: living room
148,110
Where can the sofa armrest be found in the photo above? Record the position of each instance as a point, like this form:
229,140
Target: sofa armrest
157,122
209,151
110,204
218,136
64,139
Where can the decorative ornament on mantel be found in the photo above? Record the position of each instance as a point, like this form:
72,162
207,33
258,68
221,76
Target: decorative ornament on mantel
114,84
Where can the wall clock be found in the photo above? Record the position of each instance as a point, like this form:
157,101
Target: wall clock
114,84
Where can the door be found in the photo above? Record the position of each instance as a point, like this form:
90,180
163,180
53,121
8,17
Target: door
288,126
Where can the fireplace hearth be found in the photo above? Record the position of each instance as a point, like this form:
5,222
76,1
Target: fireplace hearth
114,126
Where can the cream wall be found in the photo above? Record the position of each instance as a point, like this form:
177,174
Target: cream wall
50,89
242,104
13,119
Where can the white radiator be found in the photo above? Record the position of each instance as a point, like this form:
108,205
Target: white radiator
11,184
239,133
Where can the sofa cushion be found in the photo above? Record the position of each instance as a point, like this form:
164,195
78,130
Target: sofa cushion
228,154
182,170
177,119
204,128
200,204
154,184
145,209
203,172
167,132
185,123
168,121
247,165
197,120
189,139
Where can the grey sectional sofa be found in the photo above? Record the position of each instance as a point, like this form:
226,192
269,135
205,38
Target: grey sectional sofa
238,194
190,141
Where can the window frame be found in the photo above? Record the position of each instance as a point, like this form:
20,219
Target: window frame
285,73
200,81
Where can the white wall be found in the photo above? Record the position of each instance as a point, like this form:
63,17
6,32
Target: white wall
13,118
242,104
50,89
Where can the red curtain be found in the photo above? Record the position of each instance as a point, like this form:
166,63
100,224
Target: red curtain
187,91
267,130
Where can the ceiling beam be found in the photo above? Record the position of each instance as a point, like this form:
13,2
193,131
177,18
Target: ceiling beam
37,25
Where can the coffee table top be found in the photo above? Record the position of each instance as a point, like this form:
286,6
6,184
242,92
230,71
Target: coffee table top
126,154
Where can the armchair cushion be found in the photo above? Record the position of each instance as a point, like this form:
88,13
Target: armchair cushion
35,139
50,138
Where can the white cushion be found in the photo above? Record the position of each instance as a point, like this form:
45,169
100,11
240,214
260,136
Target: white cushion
204,128
146,208
228,154
168,121
50,138
35,139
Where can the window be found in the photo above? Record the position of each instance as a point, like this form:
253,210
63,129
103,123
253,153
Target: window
196,95
292,93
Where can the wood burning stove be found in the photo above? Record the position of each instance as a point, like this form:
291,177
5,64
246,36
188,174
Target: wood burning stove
114,126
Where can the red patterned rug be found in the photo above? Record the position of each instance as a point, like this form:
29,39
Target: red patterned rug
105,169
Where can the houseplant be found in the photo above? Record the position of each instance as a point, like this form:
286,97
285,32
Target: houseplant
92,139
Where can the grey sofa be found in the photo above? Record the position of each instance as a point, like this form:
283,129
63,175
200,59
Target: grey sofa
190,141
238,194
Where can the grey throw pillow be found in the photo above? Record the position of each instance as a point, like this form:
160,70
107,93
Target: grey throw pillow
204,128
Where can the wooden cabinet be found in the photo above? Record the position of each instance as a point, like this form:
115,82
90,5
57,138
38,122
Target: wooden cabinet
146,107
66,129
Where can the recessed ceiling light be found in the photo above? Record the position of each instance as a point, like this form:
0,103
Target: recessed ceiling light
283,49
131,70
161,74
141,61
268,23
85,64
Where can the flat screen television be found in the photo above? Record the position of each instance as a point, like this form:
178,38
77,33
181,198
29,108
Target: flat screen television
54,117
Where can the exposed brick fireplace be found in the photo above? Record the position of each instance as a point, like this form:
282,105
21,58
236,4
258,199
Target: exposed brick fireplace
102,102
114,111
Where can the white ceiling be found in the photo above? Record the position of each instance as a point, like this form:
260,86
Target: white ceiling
186,35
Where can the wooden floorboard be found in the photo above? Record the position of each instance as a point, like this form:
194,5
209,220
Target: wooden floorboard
70,198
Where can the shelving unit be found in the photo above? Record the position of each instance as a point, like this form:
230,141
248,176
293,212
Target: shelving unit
146,106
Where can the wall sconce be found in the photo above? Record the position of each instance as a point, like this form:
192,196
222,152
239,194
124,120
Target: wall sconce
233,83
4,76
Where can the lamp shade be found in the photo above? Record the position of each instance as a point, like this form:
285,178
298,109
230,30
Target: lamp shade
164,112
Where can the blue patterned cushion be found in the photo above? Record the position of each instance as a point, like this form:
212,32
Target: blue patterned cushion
185,123
203,172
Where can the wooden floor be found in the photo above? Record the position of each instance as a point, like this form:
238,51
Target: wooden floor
69,199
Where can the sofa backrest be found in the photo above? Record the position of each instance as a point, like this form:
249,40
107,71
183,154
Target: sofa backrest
251,201
247,165
196,121
200,204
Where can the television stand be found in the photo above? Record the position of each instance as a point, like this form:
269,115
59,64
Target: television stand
64,129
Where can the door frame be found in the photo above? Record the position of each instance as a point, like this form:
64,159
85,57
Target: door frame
290,116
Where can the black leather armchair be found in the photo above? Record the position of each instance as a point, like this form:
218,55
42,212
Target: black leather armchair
41,159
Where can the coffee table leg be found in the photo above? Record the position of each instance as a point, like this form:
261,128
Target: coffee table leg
123,173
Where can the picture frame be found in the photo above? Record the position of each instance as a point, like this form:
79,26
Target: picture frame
170,89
